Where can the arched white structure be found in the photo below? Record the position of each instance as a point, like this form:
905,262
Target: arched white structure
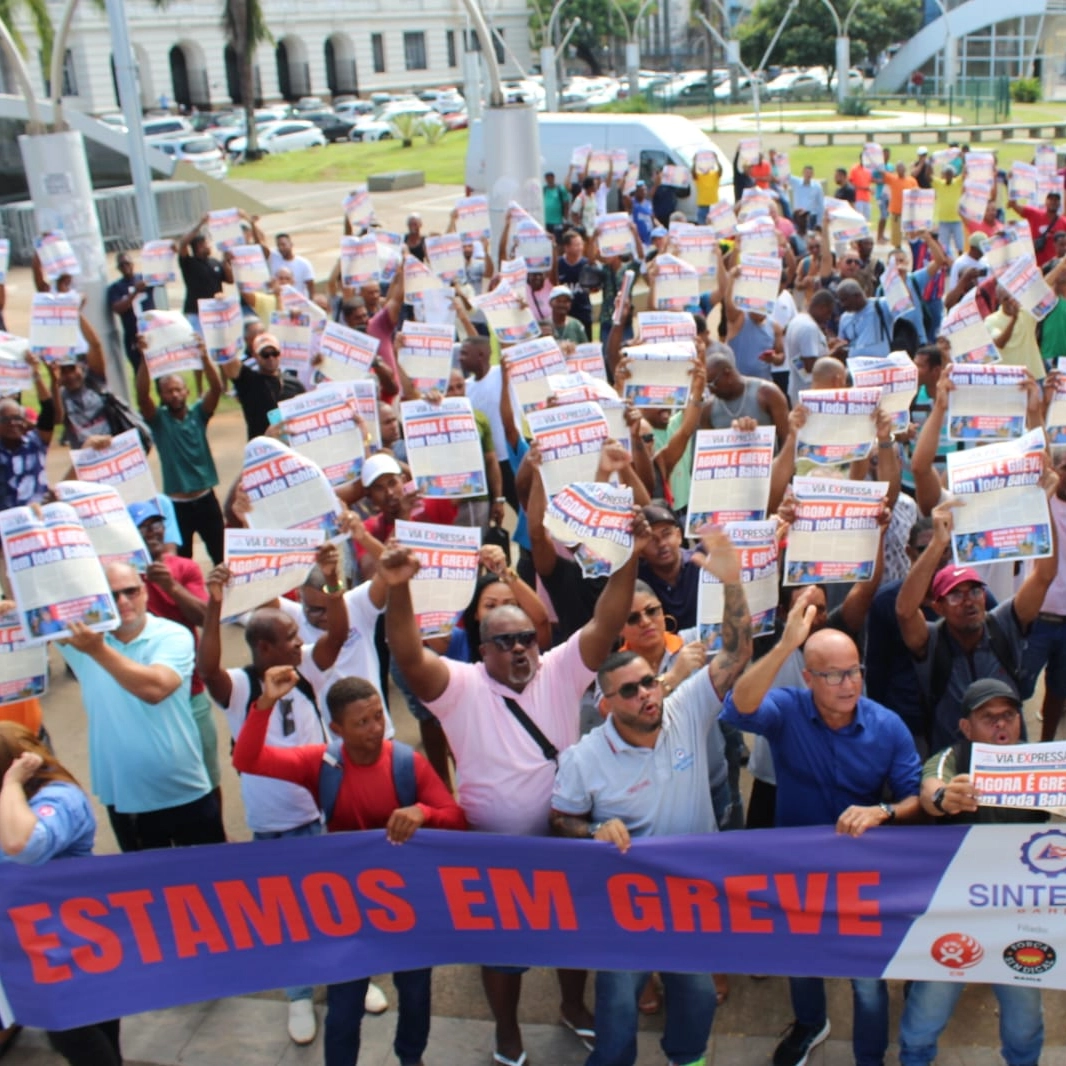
294,68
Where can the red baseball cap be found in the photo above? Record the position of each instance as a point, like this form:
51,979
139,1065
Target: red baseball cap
951,577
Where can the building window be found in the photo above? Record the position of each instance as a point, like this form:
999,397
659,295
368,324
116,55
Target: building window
70,75
497,45
449,38
377,46
414,51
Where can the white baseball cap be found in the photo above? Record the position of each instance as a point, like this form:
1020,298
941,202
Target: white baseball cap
377,466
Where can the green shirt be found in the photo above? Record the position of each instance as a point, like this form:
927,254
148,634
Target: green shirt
1053,334
572,331
556,199
184,455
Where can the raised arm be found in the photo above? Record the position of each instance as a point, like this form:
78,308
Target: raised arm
495,562
1030,597
209,403
927,486
541,547
94,357
329,645
143,384
186,239
209,651
722,559
912,625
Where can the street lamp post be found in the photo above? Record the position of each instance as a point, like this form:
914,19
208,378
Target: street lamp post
632,46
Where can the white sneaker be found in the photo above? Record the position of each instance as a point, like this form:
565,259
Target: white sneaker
302,1021
375,1002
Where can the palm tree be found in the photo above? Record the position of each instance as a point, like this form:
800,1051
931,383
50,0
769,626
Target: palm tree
245,27
13,46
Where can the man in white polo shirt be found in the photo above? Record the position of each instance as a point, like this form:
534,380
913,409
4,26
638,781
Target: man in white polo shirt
644,772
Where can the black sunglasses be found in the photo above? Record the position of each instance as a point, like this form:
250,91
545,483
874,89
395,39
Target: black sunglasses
507,641
631,688
653,610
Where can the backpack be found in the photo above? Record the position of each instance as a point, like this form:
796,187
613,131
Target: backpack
903,336
331,773
255,690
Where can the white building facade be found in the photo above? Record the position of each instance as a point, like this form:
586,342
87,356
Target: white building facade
321,48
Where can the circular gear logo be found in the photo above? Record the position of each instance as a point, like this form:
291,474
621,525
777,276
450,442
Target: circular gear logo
1045,853
957,951
1030,956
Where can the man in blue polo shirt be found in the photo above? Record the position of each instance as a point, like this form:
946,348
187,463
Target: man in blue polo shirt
835,752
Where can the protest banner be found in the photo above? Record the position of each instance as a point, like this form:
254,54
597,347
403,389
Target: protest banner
529,365
941,903
599,164
159,262
987,402
781,165
722,220
359,261
943,158
697,246
513,273
390,253
705,161
508,316
226,228
56,256
173,346
1030,776
250,270
659,375
1055,421
754,202
321,426
619,163
897,378
16,374
532,244
730,477
293,332
758,236
347,354
55,332
756,287
614,234
122,464
54,572
286,490
756,543
103,515
223,327
675,283
417,278
358,209
570,439
979,165
630,178
445,256
5,259
576,387
448,559
749,150
1006,516
1024,280
444,448
677,177
967,335
472,218
873,156
1022,186
1008,245
596,518
425,355
846,226
836,533
656,326
918,208
579,158
974,199
265,564
23,666
587,359
1045,157
841,425
896,290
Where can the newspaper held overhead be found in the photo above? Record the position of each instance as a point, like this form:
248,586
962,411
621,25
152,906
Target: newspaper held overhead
967,335
1055,423
472,218
100,509
425,355
23,667
697,246
836,534
444,448
159,262
321,426
654,326
360,264
918,208
122,465
507,314
173,345
1019,775
988,403
445,255
449,557
55,574
347,354
56,256
896,290
659,375
286,490
730,477
223,327
293,331
529,365
873,156
756,287
677,284
570,439
1024,280
722,220
614,234
587,359
757,544
840,427
358,209
55,332
16,375
598,519
1006,516
265,564
226,228
897,378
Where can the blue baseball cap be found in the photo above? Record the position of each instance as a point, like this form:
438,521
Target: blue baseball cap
142,512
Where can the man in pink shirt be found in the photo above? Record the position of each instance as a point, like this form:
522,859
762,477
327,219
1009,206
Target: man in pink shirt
506,719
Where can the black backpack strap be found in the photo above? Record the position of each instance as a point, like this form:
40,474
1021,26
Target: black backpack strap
303,686
551,753
255,687
886,329
1001,648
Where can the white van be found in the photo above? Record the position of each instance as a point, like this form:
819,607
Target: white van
651,140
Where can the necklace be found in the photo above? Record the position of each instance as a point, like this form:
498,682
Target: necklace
733,414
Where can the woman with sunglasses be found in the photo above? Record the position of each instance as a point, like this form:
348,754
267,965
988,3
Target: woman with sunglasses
44,814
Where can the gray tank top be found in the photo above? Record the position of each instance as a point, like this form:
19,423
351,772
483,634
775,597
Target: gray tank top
723,412
752,339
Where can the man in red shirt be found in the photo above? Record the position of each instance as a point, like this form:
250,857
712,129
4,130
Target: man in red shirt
366,800
861,180
1043,225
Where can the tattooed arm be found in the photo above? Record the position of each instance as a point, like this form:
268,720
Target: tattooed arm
735,652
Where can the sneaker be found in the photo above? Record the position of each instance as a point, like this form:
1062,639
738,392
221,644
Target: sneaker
375,1002
302,1021
795,1049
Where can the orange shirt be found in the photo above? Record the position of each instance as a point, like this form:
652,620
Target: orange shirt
761,173
25,712
896,185
861,180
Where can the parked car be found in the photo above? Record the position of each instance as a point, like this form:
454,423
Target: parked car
353,108
166,125
286,136
378,126
309,103
335,127
456,120
744,89
200,150
231,126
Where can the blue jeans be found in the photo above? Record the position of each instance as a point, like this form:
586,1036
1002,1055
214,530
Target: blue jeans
930,1003
690,1004
869,1024
312,829
950,233
344,1016
701,213
1045,646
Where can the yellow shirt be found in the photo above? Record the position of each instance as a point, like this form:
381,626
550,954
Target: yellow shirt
948,195
707,188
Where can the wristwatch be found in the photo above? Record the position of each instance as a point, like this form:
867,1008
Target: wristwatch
890,811
938,798
594,828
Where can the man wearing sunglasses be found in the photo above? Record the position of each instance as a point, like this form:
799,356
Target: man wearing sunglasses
259,390
835,755
506,719
643,773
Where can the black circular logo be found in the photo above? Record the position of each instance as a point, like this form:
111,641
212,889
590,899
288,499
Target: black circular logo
1030,956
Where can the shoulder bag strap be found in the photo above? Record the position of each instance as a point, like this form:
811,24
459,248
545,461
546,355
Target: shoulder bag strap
551,753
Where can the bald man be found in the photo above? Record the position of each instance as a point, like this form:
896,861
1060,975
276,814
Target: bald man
145,756
829,373
836,755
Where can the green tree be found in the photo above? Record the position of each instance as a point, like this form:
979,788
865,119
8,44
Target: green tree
809,38
244,26
599,23
37,10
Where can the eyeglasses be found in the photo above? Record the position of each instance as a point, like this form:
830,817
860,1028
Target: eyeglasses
836,677
508,641
958,596
651,611
271,354
10,420
1003,718
649,682
127,593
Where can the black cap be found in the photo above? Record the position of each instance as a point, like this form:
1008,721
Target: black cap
657,512
988,688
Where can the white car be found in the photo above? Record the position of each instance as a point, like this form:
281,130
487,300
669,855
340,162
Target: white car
378,126
165,126
200,150
288,136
